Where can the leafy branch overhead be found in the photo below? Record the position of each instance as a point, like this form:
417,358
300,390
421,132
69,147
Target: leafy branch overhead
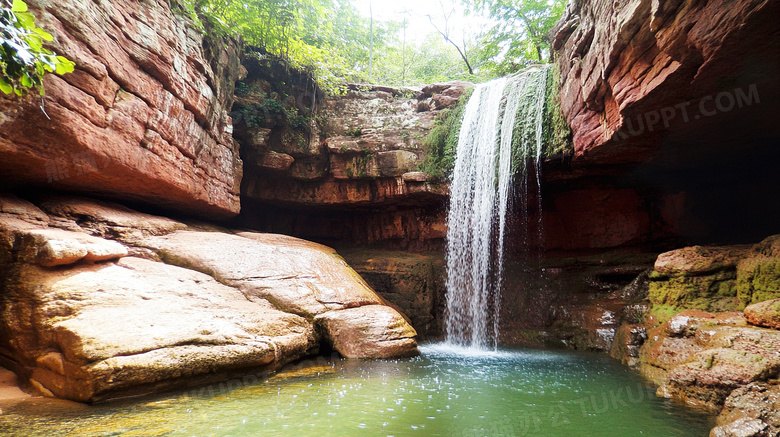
23,59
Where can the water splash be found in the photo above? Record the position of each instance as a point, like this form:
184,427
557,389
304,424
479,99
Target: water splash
491,136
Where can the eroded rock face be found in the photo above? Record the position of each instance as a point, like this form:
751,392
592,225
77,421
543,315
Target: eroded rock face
144,116
716,278
359,162
370,138
701,357
88,311
634,72
753,410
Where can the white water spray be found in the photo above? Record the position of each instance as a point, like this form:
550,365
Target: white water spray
479,201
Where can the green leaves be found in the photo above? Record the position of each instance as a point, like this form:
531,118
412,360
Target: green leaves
23,58
519,36
19,6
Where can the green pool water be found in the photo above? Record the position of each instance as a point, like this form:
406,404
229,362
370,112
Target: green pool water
445,392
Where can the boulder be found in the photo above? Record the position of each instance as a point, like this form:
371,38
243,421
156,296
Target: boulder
98,331
87,318
373,331
766,314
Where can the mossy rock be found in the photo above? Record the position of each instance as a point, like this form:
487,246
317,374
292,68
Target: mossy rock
716,292
758,279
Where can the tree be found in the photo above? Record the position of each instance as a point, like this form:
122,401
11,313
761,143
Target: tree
23,59
444,31
519,36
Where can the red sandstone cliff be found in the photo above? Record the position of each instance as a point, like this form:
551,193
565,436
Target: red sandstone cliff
638,73
144,117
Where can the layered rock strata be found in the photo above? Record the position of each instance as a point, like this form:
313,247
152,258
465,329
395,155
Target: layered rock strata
359,162
635,72
700,347
144,116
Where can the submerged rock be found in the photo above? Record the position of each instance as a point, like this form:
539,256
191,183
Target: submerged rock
87,318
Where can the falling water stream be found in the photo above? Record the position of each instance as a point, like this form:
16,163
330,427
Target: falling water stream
480,195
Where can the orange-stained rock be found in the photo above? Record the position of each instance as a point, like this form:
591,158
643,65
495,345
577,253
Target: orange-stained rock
143,117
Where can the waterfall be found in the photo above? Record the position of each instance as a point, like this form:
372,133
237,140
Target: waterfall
502,124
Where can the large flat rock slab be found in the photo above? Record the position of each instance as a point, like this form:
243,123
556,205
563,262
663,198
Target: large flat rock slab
93,331
99,301
300,277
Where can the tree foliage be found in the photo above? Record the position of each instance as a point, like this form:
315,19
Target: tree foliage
329,37
23,59
519,35
337,44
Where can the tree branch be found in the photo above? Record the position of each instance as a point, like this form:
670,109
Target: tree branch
447,38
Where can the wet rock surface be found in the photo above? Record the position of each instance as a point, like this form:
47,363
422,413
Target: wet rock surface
90,312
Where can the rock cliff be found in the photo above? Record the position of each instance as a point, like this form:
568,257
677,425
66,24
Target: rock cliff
633,73
144,117
339,168
671,105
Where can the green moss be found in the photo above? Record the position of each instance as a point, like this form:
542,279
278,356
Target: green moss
356,132
441,144
661,313
363,163
716,292
758,279
557,133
